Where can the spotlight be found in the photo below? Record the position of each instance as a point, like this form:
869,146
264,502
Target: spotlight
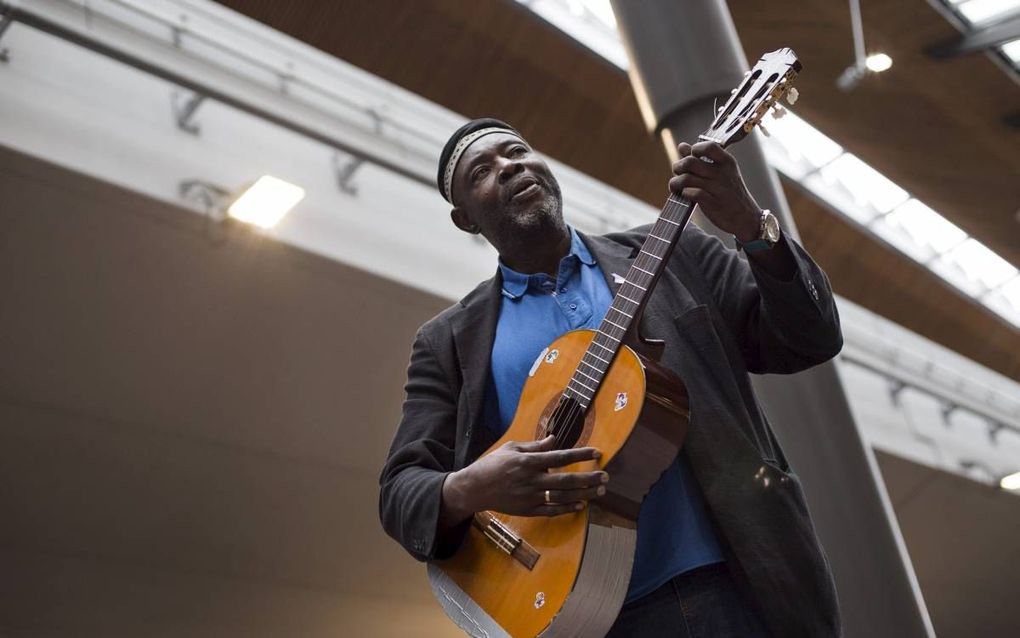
878,62
263,203
1010,482
266,201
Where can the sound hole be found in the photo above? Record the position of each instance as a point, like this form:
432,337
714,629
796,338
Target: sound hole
566,423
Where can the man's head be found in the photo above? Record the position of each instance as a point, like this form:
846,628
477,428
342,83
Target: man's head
499,187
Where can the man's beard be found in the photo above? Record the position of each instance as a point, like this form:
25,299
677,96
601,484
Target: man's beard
544,216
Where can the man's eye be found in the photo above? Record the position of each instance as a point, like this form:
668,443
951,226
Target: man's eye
479,172
518,150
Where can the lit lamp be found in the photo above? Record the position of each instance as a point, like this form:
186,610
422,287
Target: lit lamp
266,201
262,204
852,75
1010,482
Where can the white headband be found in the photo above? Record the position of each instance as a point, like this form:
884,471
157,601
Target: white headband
462,145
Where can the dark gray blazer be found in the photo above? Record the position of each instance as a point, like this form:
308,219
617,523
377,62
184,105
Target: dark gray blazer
720,319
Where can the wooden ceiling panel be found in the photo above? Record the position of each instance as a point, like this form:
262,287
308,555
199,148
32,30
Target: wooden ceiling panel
933,127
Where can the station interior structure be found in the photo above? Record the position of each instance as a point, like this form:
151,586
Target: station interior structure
194,410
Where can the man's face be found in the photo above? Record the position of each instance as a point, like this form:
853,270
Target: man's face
503,188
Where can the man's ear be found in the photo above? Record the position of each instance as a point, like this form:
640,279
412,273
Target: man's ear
462,221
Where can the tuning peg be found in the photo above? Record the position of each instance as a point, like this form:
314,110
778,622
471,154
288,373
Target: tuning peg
778,112
792,95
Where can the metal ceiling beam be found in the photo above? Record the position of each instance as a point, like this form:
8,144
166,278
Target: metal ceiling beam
684,56
37,20
991,36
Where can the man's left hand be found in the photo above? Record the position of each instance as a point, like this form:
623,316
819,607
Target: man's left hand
717,187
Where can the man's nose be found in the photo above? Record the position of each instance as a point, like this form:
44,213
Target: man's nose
508,168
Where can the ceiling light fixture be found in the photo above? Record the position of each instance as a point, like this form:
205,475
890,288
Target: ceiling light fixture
1010,482
266,201
875,63
878,62
262,204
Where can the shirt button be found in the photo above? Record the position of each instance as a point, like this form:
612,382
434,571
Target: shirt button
573,306
563,289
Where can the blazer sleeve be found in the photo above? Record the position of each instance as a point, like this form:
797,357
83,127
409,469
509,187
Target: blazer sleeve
421,455
780,326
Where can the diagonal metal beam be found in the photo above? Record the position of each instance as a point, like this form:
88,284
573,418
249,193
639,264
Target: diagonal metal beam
993,35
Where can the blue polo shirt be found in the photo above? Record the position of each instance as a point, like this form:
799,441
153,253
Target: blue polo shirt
674,533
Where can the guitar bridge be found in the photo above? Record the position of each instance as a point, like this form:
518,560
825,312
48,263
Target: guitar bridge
505,539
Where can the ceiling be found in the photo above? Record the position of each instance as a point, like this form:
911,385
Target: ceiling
934,127
143,443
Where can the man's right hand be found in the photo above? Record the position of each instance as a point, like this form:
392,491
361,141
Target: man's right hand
514,479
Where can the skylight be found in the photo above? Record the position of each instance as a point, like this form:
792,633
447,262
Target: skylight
978,15
1012,51
842,180
980,12
805,148
919,231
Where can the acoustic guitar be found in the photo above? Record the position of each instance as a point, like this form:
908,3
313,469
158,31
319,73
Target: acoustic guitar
567,575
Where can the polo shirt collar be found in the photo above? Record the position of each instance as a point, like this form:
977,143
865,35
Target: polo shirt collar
515,284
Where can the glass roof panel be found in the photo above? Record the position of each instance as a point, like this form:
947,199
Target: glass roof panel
800,140
868,188
926,227
1012,50
980,264
981,11
1005,301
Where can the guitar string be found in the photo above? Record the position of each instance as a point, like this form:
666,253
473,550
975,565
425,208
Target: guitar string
663,223
644,259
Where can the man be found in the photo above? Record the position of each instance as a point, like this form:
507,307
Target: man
725,544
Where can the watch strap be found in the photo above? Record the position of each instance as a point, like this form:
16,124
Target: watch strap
753,246
757,244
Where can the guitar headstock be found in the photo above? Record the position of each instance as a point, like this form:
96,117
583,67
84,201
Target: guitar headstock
763,86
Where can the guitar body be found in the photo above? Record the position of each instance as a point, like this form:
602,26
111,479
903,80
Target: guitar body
568,575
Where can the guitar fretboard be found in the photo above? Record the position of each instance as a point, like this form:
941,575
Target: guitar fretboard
629,301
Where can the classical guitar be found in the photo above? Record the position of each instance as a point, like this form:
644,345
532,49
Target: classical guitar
568,575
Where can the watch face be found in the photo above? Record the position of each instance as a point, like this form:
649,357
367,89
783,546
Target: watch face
771,229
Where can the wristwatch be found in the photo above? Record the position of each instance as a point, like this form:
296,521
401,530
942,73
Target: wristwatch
768,234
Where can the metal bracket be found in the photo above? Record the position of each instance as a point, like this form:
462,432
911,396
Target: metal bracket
5,22
213,201
184,104
346,166
947,410
896,387
285,78
994,428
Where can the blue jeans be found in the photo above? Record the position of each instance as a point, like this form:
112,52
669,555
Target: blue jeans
700,603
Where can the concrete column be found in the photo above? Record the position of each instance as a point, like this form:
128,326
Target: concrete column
685,55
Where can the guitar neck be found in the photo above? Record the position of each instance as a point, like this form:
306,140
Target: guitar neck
630,300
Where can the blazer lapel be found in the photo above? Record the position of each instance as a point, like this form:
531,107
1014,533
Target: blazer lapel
614,259
474,330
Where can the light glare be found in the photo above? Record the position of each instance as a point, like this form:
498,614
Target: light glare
878,62
1011,482
266,201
